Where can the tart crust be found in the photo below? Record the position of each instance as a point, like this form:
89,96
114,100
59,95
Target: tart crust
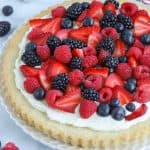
82,137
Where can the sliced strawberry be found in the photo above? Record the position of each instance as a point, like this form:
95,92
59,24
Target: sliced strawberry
123,95
137,43
38,22
120,48
63,34
29,71
46,64
140,13
83,32
43,79
69,101
109,6
137,113
53,26
78,53
81,17
97,71
87,108
132,61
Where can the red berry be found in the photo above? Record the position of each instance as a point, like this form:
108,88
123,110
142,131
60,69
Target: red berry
141,72
87,51
111,32
147,49
89,61
30,84
76,77
87,108
10,146
109,6
137,43
63,54
105,95
128,8
145,59
102,55
124,71
43,52
140,13
58,12
94,81
132,62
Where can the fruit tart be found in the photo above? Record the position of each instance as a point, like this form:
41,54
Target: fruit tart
80,73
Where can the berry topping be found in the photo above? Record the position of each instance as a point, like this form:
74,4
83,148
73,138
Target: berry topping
7,10
103,110
130,86
30,46
119,27
145,39
66,23
10,146
122,59
131,107
145,59
39,94
60,82
4,28
63,54
88,21
78,53
102,55
58,12
112,1
85,5
109,7
87,108
114,102
90,94
87,51
75,63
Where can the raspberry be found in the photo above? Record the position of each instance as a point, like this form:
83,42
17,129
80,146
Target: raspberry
135,52
43,52
102,54
63,54
89,61
94,81
87,51
30,84
58,12
105,95
142,72
10,146
76,77
111,32
145,59
124,70
147,49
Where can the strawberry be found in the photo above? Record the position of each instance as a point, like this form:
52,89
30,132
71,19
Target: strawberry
120,48
63,34
38,22
97,71
29,71
87,108
138,43
140,13
113,80
137,113
142,82
46,64
10,146
83,33
78,53
102,54
109,6
82,17
132,62
145,59
30,84
129,8
58,12
123,95
147,49
69,101
88,51
43,52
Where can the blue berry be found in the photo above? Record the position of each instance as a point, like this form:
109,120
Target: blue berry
122,59
7,10
88,21
39,94
119,27
114,102
30,46
133,80
85,5
130,107
145,39
103,110
130,86
66,23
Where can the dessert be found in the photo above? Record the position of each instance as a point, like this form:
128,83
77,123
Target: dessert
83,68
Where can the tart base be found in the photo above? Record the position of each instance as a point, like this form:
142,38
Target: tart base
82,137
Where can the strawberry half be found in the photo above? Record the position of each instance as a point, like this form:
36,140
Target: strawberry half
132,62
78,53
81,17
63,34
137,113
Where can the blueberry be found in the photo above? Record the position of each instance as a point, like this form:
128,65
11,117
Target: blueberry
30,46
39,94
127,32
111,70
145,39
118,113
85,5
115,102
130,86
119,27
122,59
88,21
130,107
128,39
66,23
7,10
133,80
103,110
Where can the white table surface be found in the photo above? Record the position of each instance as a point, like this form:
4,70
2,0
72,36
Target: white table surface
22,11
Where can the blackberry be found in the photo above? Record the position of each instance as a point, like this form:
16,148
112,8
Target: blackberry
74,43
107,44
112,1
110,62
53,42
108,20
75,63
66,23
60,82
4,28
90,94
7,10
31,58
74,11
125,20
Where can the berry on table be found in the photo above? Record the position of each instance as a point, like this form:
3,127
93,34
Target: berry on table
7,10
39,94
131,107
5,27
103,110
